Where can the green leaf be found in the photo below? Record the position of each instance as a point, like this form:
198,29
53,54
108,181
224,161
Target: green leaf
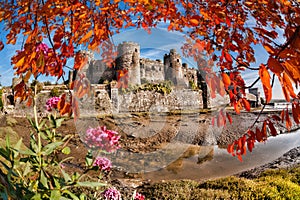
4,153
27,169
56,182
90,184
72,195
28,152
36,197
89,159
58,122
33,144
17,147
44,180
55,195
66,150
66,176
49,148
82,197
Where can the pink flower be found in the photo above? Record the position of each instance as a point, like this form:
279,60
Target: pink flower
52,103
139,196
42,47
112,194
103,163
102,138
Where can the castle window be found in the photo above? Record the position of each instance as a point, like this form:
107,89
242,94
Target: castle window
177,60
135,50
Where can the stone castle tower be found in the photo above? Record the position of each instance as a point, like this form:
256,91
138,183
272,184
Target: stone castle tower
173,67
129,59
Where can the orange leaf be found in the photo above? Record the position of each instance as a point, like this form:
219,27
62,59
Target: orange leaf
1,46
20,62
236,105
246,104
250,144
264,130
272,128
265,79
296,111
258,135
194,21
288,84
61,102
226,79
86,37
268,48
275,66
229,118
228,57
288,121
230,148
282,116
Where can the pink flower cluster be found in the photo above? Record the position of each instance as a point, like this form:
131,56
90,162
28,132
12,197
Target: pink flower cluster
139,196
103,163
112,194
102,138
52,103
42,47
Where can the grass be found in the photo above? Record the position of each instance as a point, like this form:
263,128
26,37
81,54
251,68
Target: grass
273,184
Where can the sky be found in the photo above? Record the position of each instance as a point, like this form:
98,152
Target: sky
153,46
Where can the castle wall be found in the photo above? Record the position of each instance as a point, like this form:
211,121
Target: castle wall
152,70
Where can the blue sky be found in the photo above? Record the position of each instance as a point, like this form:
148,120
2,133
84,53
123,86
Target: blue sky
153,46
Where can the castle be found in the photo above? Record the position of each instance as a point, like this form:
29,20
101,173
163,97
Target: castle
142,70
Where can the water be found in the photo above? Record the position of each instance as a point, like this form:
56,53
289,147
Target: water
219,163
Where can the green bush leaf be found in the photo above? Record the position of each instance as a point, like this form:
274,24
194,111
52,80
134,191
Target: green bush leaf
44,180
73,196
66,176
90,184
49,148
66,150
55,195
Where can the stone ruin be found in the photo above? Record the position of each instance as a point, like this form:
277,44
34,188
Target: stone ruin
108,98
142,70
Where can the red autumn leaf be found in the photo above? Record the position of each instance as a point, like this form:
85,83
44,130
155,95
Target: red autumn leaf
272,128
230,148
276,117
265,79
288,84
237,105
194,21
250,144
269,48
240,157
296,111
1,46
282,116
275,66
226,79
66,109
246,104
228,57
288,121
61,102
258,134
229,118
264,130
